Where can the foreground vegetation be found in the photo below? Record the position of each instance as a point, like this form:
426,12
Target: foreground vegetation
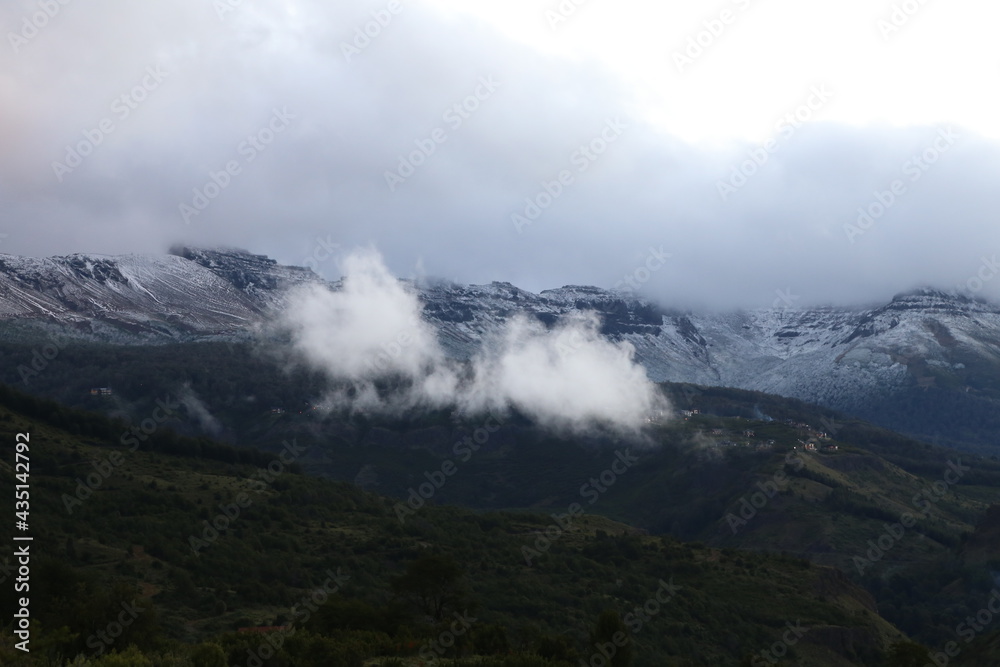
166,537
213,537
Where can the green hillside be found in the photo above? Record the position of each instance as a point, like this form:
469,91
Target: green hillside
143,539
699,478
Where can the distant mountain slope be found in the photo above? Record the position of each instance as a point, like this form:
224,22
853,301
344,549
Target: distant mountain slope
833,356
927,363
144,298
201,540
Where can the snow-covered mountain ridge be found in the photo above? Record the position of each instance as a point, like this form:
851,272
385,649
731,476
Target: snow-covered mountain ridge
850,358
145,298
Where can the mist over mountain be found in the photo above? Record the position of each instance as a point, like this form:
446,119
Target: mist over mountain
373,328
792,193
582,352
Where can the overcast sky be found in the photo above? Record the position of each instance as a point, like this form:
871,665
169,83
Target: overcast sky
728,146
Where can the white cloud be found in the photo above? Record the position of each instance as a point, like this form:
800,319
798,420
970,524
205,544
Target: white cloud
198,410
381,356
563,377
368,330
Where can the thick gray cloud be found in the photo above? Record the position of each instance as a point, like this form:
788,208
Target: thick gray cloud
197,86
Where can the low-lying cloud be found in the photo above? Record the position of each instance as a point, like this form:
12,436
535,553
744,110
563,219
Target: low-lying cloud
567,375
197,410
370,339
369,328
